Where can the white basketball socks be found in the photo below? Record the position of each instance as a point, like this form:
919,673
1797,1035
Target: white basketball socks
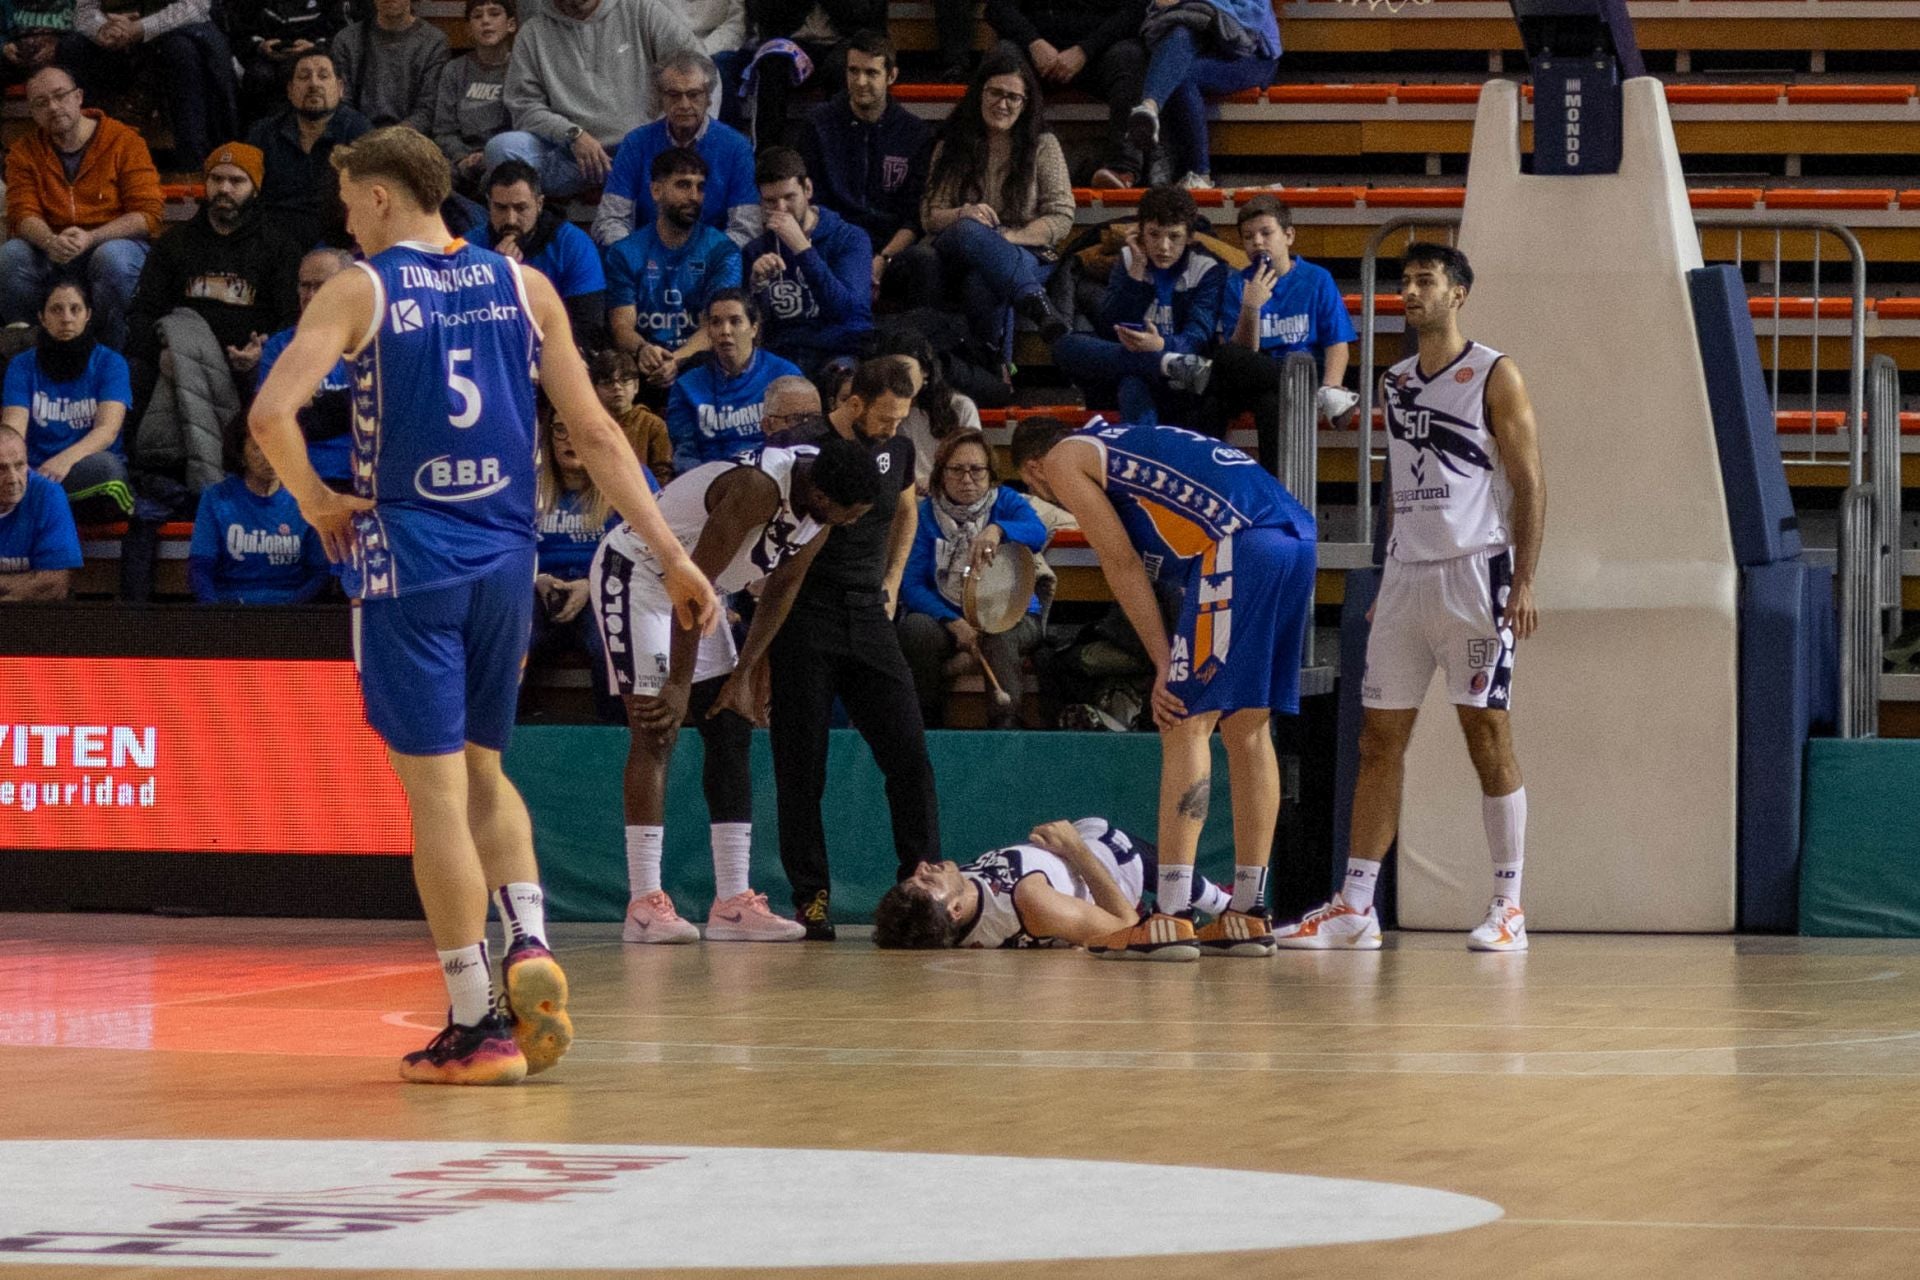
732,858
523,909
469,983
1210,897
1175,892
1505,818
643,860
1362,876
1249,889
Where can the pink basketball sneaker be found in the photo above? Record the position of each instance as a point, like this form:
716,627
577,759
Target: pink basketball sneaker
745,917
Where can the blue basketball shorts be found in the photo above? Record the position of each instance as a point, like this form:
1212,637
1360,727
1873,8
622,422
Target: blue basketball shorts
441,668
1243,624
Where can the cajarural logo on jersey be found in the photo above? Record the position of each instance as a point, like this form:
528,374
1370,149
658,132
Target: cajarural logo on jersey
450,479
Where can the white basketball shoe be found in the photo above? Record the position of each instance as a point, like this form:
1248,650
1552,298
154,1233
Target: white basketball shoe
1334,927
1504,929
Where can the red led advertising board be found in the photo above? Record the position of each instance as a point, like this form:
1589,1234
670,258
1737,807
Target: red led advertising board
189,755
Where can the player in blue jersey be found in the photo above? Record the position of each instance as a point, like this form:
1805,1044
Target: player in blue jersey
444,340
1173,505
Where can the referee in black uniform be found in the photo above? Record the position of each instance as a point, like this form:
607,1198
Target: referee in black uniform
840,641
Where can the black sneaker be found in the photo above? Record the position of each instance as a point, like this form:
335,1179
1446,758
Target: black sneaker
484,1053
1038,308
818,922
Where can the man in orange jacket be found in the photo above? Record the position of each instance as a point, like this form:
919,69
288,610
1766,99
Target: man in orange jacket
83,197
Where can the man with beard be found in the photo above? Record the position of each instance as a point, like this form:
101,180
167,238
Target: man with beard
687,83
660,278
840,642
521,227
300,190
810,268
229,265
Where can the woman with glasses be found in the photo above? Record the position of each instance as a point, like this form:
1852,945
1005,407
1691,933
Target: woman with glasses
998,200
963,521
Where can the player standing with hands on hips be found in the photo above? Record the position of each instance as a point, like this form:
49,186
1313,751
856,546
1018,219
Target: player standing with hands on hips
444,340
1467,512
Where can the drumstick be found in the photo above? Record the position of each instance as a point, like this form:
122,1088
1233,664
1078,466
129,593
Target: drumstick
1001,698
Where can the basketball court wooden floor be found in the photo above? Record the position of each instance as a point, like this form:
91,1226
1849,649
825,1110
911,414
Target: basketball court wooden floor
1643,1106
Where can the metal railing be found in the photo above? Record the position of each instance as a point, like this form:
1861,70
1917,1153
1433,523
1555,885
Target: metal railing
1298,454
1860,647
1883,433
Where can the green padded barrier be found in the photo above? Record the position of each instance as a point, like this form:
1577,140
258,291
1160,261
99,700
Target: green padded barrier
1860,859
993,788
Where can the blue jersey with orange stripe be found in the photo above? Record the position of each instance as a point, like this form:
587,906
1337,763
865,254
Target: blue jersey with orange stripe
1179,494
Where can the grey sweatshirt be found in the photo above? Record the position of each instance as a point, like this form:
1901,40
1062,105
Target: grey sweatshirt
596,73
392,77
470,109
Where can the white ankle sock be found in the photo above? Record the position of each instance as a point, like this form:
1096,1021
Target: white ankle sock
523,909
643,859
1249,888
469,983
1176,889
732,858
1210,897
1362,876
1505,818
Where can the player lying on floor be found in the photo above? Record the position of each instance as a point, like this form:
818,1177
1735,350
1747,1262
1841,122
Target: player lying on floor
1069,882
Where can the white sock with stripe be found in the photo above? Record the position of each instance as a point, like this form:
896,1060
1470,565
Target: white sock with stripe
1362,876
643,859
732,858
523,909
1505,818
469,983
1250,889
1175,892
1209,897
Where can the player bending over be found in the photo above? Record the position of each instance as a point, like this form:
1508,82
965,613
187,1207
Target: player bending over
761,518
444,341
1068,884
1168,503
1468,511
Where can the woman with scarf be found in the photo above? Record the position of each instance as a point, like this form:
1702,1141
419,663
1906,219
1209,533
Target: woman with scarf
1198,49
963,521
68,397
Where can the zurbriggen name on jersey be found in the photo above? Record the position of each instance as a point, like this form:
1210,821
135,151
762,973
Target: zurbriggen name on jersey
447,279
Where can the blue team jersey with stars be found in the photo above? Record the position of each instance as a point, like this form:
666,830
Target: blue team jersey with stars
1179,494
443,420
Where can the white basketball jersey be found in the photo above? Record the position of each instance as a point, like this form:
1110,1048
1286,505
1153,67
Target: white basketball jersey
1449,491
998,873
684,504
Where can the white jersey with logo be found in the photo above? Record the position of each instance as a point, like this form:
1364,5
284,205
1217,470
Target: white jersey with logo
684,504
998,873
1450,492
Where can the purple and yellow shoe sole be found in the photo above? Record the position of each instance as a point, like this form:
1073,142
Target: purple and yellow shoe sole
496,1062
537,996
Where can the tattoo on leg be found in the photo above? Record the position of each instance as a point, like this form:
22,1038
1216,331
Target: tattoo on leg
1193,804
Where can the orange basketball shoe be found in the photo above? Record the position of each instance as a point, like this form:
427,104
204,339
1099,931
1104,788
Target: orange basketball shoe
1158,937
481,1054
1334,927
535,992
1236,933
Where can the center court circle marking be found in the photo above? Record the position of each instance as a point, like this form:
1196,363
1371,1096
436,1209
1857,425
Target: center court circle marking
270,1205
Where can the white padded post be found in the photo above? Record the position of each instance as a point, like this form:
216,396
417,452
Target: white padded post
1624,710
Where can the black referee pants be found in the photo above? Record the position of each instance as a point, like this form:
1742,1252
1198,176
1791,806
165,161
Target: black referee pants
843,644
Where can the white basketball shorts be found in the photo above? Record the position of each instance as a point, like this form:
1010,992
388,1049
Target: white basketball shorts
1445,614
635,617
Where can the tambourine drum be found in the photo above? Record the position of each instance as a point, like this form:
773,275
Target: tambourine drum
998,595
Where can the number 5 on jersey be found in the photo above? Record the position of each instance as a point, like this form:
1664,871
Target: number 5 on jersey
465,388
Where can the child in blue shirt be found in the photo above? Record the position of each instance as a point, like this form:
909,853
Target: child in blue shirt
250,544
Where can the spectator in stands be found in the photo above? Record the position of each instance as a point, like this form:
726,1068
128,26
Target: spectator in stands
938,410
327,421
39,546
714,410
687,83
661,277
301,191
250,543
1235,47
1162,300
1092,46
520,226
83,196
1280,304
232,267
616,380
810,270
867,155
390,66
963,520
801,40
68,399
173,46
791,412
32,35
271,35
470,111
573,516
998,200
581,79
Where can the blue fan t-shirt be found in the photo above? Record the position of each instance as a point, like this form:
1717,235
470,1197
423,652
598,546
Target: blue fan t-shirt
332,458
569,258
263,551
669,288
59,414
567,543
1306,312
39,534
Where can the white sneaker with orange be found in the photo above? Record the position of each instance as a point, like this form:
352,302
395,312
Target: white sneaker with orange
1334,927
652,918
1504,929
745,917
